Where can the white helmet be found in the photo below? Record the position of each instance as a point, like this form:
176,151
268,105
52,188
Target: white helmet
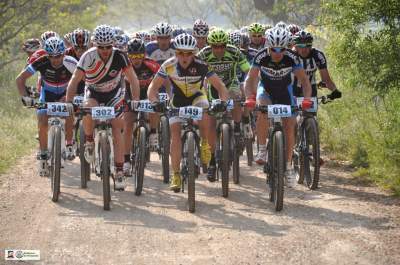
104,35
54,46
118,31
281,24
277,37
200,28
185,41
163,30
235,38
121,41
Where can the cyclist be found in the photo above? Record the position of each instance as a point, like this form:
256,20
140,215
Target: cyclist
161,49
56,70
293,29
187,75
145,69
68,40
312,60
30,46
144,36
121,42
102,67
273,66
200,32
224,60
256,32
40,52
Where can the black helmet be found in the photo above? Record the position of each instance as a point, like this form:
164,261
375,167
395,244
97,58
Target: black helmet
136,45
303,37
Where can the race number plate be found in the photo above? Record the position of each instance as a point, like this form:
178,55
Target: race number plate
144,106
279,111
163,97
57,109
103,113
314,106
78,100
191,112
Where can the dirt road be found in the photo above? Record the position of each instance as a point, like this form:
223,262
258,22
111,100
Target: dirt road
341,223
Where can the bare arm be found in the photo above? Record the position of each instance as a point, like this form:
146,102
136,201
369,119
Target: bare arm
134,83
152,91
251,82
305,83
21,81
217,83
326,78
78,76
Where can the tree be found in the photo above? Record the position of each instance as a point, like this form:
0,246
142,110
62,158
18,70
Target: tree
239,12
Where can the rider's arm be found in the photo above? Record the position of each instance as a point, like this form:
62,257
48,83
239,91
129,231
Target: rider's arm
305,83
78,76
251,82
217,83
131,76
243,63
152,91
21,81
326,78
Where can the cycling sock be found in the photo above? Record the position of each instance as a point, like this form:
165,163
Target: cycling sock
127,158
237,127
119,166
153,130
245,119
89,138
262,147
212,160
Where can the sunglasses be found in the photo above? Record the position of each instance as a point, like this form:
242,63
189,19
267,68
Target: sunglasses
105,47
303,45
187,53
219,46
277,50
55,56
256,35
136,56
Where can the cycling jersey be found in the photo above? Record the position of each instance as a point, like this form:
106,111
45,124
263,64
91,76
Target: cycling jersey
155,53
276,78
145,74
315,60
103,76
187,84
81,86
258,47
250,53
36,55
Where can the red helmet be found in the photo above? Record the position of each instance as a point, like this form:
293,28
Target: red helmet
80,38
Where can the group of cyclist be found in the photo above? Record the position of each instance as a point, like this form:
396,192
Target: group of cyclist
258,64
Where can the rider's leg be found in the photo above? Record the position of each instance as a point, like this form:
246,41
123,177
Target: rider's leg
175,153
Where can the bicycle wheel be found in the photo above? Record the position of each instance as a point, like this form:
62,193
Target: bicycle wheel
85,166
278,167
56,163
249,152
164,141
140,160
225,149
235,164
190,144
105,169
310,157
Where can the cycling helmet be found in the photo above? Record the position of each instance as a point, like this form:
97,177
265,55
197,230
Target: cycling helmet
177,31
118,31
217,35
163,29
189,31
244,29
281,24
121,41
277,37
144,36
293,28
185,42
136,45
47,34
267,27
68,38
200,28
303,37
235,39
80,38
54,46
245,39
31,45
256,28
104,35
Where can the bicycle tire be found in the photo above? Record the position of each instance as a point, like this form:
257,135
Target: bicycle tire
190,141
225,140
165,147
311,139
105,169
56,164
235,163
278,169
140,160
85,166
249,152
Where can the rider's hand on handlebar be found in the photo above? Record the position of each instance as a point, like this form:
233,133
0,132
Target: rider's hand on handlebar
70,108
251,102
28,101
306,104
220,106
158,106
335,94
